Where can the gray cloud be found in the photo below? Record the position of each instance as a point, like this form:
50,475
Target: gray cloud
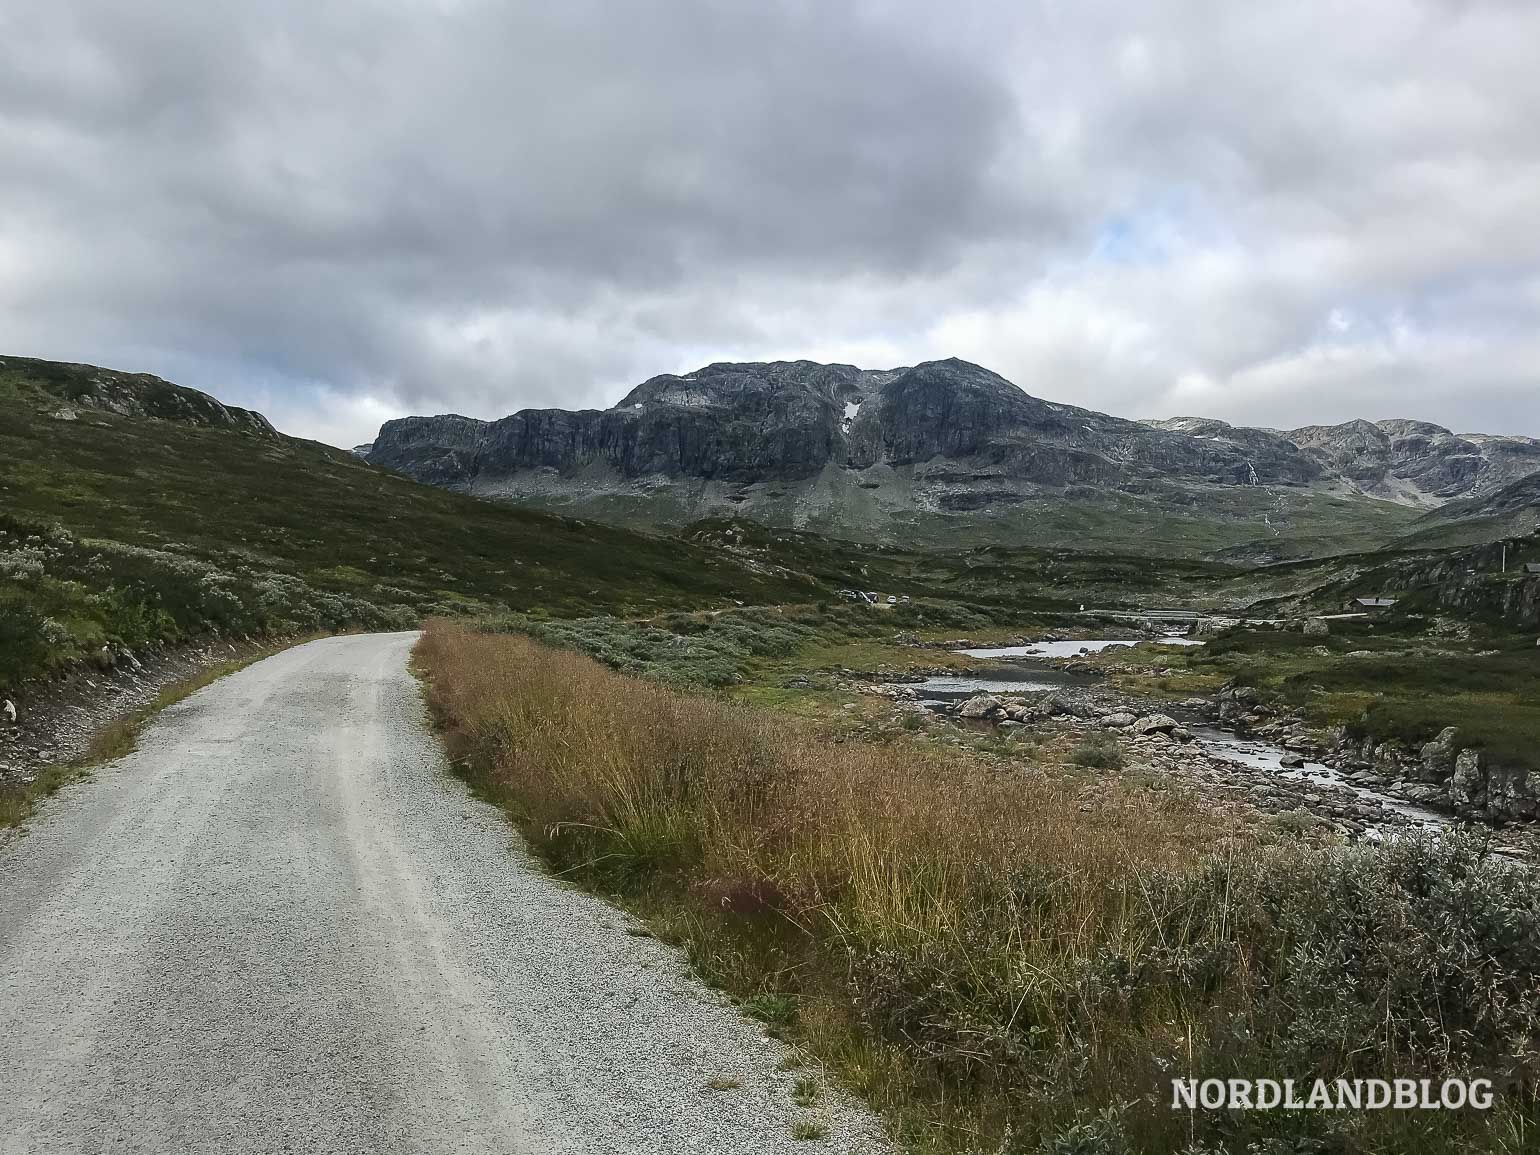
345,211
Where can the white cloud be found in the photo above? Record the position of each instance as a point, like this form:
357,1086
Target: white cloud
341,211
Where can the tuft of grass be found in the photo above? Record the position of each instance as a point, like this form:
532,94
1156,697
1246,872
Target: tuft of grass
723,1083
777,1011
808,1129
1098,752
987,954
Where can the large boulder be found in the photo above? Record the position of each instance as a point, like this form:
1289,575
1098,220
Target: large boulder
1438,755
1317,628
1512,793
8,712
1468,785
1118,721
1155,724
981,706
1478,789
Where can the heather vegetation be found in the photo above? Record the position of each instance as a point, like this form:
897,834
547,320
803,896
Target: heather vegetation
999,963
63,600
724,648
129,530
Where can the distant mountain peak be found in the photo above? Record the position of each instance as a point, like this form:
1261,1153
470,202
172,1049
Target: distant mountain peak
858,451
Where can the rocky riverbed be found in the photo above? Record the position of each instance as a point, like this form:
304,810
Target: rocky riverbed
1230,747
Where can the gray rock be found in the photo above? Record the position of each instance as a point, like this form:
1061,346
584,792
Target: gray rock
1118,721
1468,784
1155,724
8,712
1291,761
1317,628
980,706
1438,755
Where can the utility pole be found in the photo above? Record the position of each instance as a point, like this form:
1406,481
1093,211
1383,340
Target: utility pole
1505,557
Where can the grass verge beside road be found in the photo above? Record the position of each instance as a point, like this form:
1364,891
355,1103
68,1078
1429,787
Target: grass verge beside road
994,961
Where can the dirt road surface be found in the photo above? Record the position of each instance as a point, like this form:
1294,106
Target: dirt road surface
279,925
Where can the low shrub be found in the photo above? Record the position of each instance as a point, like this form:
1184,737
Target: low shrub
1098,752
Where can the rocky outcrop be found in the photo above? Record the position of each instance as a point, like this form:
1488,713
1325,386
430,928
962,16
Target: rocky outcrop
129,395
1480,789
1444,772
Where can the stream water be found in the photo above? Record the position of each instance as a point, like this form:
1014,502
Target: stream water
1023,669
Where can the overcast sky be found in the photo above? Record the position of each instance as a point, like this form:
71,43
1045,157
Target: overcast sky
1275,214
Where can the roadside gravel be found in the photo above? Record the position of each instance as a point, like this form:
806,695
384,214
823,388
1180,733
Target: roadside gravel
279,925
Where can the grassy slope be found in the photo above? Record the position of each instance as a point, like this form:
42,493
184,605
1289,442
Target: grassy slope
1513,511
1007,580
1256,524
254,535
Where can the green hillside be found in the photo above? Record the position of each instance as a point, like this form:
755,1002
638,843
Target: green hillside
128,529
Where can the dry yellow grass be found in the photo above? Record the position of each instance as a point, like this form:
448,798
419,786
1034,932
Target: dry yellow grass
978,949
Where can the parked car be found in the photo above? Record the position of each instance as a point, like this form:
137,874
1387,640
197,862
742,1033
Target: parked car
892,601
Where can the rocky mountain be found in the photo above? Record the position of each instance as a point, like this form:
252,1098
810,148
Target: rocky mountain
957,425
78,387
1411,462
1417,462
944,450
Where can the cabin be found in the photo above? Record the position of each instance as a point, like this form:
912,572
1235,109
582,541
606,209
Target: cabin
1372,605
1532,567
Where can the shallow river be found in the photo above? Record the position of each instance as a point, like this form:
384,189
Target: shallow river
1023,669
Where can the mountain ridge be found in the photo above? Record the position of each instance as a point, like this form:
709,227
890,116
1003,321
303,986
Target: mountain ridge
78,386
868,454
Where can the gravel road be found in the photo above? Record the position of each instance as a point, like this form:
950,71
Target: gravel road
280,926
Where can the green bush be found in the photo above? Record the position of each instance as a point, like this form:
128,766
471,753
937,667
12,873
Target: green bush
1098,752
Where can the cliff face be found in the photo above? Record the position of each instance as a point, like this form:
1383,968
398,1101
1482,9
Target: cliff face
790,420
850,450
730,422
